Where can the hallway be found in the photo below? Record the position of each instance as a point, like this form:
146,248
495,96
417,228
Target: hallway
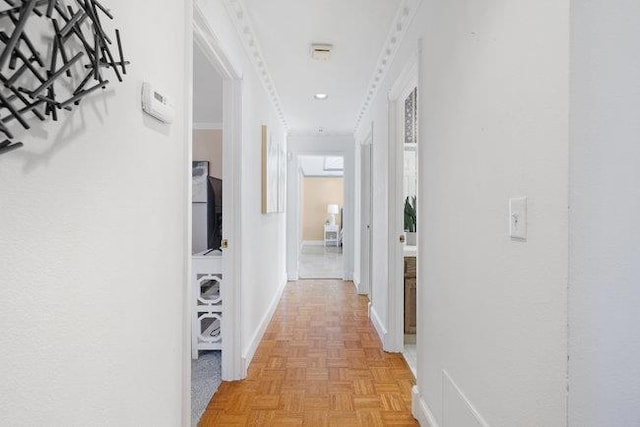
514,124
320,363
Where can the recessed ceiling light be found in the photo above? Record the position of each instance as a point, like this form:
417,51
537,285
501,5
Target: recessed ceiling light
320,96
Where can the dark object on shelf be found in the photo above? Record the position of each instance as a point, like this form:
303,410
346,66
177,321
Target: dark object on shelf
79,53
206,209
214,236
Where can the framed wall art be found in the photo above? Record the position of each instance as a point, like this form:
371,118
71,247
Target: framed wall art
269,173
274,165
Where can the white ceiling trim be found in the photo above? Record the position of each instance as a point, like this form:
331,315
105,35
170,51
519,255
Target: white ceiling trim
238,13
406,11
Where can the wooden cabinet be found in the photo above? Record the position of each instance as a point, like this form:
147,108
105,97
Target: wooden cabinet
410,295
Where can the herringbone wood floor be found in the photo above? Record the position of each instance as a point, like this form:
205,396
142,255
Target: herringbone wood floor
320,363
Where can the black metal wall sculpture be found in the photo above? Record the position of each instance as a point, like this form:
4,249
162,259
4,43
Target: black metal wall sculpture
75,59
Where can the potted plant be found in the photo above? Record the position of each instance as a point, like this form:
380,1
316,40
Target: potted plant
410,220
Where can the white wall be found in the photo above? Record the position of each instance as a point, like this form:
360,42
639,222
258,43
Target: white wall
378,115
494,122
317,193
263,242
207,146
93,248
319,145
604,295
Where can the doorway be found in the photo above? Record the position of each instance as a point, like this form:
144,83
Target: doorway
321,183
409,213
207,229
403,206
325,146
211,294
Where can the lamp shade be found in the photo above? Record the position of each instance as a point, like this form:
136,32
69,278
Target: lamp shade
333,209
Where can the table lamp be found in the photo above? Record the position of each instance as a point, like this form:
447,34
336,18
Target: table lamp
332,210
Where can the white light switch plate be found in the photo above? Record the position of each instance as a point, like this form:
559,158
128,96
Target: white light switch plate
518,218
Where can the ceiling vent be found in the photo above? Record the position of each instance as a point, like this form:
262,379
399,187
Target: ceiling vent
321,51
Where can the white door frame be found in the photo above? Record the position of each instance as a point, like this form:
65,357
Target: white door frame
294,214
199,32
205,37
297,215
188,157
403,85
366,214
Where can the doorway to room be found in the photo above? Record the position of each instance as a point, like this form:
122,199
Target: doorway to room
403,206
409,220
206,233
321,184
211,294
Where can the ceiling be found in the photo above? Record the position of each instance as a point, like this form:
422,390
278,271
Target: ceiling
285,29
207,90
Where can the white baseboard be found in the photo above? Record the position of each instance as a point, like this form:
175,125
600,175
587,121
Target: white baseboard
377,324
355,285
248,354
359,289
313,243
420,410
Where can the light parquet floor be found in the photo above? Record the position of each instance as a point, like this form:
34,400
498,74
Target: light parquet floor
320,363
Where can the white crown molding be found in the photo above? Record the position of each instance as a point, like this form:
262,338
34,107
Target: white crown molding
242,23
404,15
207,126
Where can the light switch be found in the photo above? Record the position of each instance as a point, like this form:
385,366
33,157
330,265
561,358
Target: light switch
518,218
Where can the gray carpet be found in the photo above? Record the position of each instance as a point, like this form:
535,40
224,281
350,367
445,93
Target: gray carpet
205,379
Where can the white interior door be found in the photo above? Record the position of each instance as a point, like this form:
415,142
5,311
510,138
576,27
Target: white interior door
232,368
365,217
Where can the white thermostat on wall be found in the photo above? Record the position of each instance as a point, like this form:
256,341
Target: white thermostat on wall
157,104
